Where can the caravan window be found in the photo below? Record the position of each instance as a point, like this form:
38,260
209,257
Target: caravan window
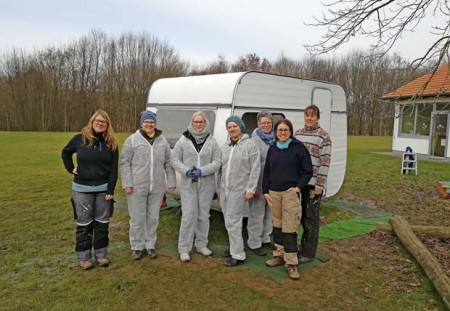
251,122
174,122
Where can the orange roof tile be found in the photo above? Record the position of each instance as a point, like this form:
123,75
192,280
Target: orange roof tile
438,84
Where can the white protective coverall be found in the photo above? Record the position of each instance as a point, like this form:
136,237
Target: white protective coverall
259,224
196,197
145,168
241,166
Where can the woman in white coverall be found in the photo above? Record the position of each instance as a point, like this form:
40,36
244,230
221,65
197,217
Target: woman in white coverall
259,224
196,156
145,167
239,179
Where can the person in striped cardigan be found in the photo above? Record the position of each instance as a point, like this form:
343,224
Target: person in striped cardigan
318,143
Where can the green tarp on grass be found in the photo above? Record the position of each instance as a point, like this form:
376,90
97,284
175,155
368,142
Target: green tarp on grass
253,262
360,210
363,223
257,264
349,228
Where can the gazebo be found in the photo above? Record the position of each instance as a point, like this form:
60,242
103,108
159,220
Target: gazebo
422,110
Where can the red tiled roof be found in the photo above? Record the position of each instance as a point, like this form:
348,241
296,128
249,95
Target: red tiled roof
439,84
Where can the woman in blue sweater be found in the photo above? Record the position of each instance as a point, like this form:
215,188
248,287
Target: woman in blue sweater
95,178
287,170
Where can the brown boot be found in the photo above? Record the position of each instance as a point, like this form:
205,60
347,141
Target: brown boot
86,264
103,262
293,272
275,261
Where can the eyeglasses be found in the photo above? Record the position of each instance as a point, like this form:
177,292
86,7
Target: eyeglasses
283,130
265,123
198,122
98,121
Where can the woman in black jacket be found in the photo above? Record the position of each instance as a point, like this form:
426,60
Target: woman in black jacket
95,178
287,170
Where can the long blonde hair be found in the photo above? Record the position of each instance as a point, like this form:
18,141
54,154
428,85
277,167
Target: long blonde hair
88,131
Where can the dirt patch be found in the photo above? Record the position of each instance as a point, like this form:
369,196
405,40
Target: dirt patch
385,265
419,207
423,207
440,248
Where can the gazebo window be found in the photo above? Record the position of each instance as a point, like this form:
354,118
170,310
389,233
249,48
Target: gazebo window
442,106
423,119
415,119
407,120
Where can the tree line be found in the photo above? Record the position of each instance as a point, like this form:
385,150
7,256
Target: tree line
58,88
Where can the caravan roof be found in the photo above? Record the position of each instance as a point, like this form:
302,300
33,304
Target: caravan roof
261,89
217,89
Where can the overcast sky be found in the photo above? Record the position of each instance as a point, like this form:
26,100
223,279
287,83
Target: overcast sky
199,30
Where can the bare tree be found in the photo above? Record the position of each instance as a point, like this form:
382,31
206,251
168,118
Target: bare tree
58,88
251,61
288,67
384,21
363,82
220,65
320,69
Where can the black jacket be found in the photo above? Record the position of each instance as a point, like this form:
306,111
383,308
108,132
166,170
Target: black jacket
287,168
96,165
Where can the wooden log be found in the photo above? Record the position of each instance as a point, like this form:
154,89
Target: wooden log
429,263
432,231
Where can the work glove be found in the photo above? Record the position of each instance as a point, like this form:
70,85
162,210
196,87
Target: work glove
197,173
190,173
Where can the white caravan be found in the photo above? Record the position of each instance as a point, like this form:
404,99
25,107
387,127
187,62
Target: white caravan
245,94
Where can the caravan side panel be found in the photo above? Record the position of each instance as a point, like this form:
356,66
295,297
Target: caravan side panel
236,93
292,95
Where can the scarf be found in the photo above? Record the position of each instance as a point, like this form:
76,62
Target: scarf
268,139
199,137
284,145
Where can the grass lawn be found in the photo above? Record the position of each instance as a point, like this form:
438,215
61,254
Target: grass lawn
38,268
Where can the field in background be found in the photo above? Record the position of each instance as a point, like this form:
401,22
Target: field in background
38,269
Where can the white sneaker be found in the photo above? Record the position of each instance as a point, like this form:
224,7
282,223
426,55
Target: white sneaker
185,257
204,251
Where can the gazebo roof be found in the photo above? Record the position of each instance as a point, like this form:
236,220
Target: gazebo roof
424,86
